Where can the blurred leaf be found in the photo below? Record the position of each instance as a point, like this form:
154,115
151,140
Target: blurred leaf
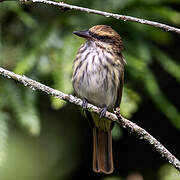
30,58
167,13
27,63
161,101
25,17
1,47
62,68
159,36
116,132
37,39
148,81
44,66
57,103
169,65
4,133
24,109
168,172
130,102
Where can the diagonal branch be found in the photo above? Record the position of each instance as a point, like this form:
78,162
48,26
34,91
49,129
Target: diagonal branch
127,124
66,6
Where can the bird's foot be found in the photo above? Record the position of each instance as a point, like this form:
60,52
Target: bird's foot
84,103
103,112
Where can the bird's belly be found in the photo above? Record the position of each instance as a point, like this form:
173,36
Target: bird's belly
95,85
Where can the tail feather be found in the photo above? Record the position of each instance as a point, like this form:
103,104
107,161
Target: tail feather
102,151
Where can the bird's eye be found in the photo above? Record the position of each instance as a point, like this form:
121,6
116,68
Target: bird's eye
94,35
106,39
101,37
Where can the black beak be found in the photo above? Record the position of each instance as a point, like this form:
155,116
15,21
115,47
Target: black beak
84,34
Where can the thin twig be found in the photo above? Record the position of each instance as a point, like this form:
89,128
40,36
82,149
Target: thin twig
107,14
127,124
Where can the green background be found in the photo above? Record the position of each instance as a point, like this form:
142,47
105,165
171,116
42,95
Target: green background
44,138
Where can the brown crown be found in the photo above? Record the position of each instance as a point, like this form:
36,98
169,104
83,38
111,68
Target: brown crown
107,34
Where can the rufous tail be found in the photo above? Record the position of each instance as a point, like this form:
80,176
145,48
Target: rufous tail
102,151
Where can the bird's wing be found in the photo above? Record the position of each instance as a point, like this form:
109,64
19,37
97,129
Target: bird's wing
119,92
121,81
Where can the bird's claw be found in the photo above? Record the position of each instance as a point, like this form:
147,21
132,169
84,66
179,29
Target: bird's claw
103,112
84,103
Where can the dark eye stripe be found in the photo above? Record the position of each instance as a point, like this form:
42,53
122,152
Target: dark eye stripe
99,36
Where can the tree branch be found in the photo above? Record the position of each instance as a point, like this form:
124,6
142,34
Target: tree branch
107,14
127,124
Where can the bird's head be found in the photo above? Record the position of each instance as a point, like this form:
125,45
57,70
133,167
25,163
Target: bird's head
103,35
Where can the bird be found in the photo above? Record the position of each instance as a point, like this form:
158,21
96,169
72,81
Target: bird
98,78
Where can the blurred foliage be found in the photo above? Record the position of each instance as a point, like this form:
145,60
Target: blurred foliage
37,41
167,172
3,136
